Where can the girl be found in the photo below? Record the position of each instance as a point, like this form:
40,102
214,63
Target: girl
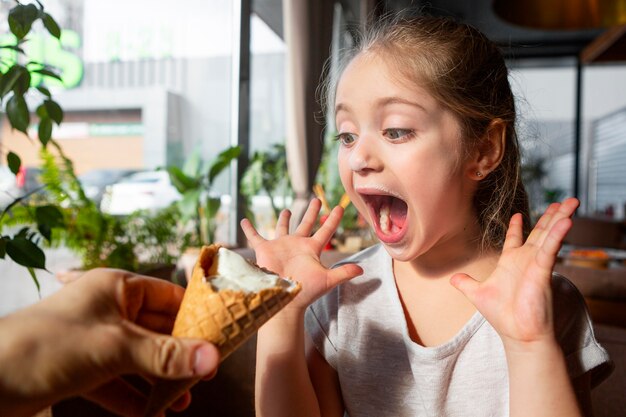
429,156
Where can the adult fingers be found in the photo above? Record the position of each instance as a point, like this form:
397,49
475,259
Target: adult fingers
119,397
145,294
160,323
124,399
282,225
167,357
309,219
252,235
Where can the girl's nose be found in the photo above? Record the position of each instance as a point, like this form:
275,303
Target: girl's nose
363,157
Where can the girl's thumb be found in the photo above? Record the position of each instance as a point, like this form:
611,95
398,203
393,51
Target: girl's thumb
466,284
171,358
343,273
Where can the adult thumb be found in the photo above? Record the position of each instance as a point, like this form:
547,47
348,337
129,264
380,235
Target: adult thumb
466,284
171,358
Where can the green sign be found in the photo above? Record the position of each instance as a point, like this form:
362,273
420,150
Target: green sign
45,49
115,129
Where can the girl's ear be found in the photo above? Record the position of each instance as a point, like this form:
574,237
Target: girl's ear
489,151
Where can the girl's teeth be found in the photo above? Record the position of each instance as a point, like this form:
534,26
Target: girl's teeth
384,218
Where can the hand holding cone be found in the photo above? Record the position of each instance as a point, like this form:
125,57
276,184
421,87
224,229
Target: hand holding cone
226,318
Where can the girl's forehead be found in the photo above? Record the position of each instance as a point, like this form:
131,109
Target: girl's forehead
371,75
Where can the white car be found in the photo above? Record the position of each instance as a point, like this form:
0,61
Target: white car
147,190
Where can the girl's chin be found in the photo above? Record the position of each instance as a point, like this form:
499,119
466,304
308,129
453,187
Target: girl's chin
400,253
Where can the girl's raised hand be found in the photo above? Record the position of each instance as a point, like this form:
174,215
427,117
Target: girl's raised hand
517,299
297,255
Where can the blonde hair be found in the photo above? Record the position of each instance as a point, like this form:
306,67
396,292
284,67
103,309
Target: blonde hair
466,73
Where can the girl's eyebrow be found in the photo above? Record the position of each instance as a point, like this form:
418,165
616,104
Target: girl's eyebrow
385,101
341,106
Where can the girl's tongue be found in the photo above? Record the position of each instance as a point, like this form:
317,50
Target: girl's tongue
392,215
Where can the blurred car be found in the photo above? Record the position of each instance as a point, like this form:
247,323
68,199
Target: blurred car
147,190
14,186
94,182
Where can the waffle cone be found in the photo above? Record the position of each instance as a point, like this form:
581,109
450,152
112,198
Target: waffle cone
226,318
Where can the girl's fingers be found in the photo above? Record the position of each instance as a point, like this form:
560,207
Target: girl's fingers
514,235
565,210
326,231
537,233
467,285
251,234
309,219
546,256
343,273
282,225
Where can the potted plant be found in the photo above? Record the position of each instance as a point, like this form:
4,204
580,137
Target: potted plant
195,182
15,85
143,241
353,233
267,173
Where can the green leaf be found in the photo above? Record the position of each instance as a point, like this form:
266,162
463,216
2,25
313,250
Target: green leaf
44,91
212,206
14,162
26,253
31,271
223,161
190,204
22,84
192,164
252,181
9,79
49,214
3,246
48,73
42,112
18,114
21,18
182,182
48,217
54,111
51,25
45,130
15,48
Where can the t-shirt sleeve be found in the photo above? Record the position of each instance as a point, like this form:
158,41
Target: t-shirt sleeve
574,332
320,322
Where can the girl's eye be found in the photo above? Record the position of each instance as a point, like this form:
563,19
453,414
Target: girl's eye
395,134
346,138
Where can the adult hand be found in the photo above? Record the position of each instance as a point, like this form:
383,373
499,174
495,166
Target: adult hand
80,340
297,255
517,299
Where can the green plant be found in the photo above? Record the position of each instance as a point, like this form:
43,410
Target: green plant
328,177
267,172
15,84
195,181
136,242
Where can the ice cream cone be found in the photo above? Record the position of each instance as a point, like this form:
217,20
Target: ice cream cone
226,318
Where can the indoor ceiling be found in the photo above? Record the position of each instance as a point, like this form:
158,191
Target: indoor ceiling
516,41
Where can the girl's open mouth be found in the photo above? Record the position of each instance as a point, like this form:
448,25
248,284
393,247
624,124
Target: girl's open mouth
389,216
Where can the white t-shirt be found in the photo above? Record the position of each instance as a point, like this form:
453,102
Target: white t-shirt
360,329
